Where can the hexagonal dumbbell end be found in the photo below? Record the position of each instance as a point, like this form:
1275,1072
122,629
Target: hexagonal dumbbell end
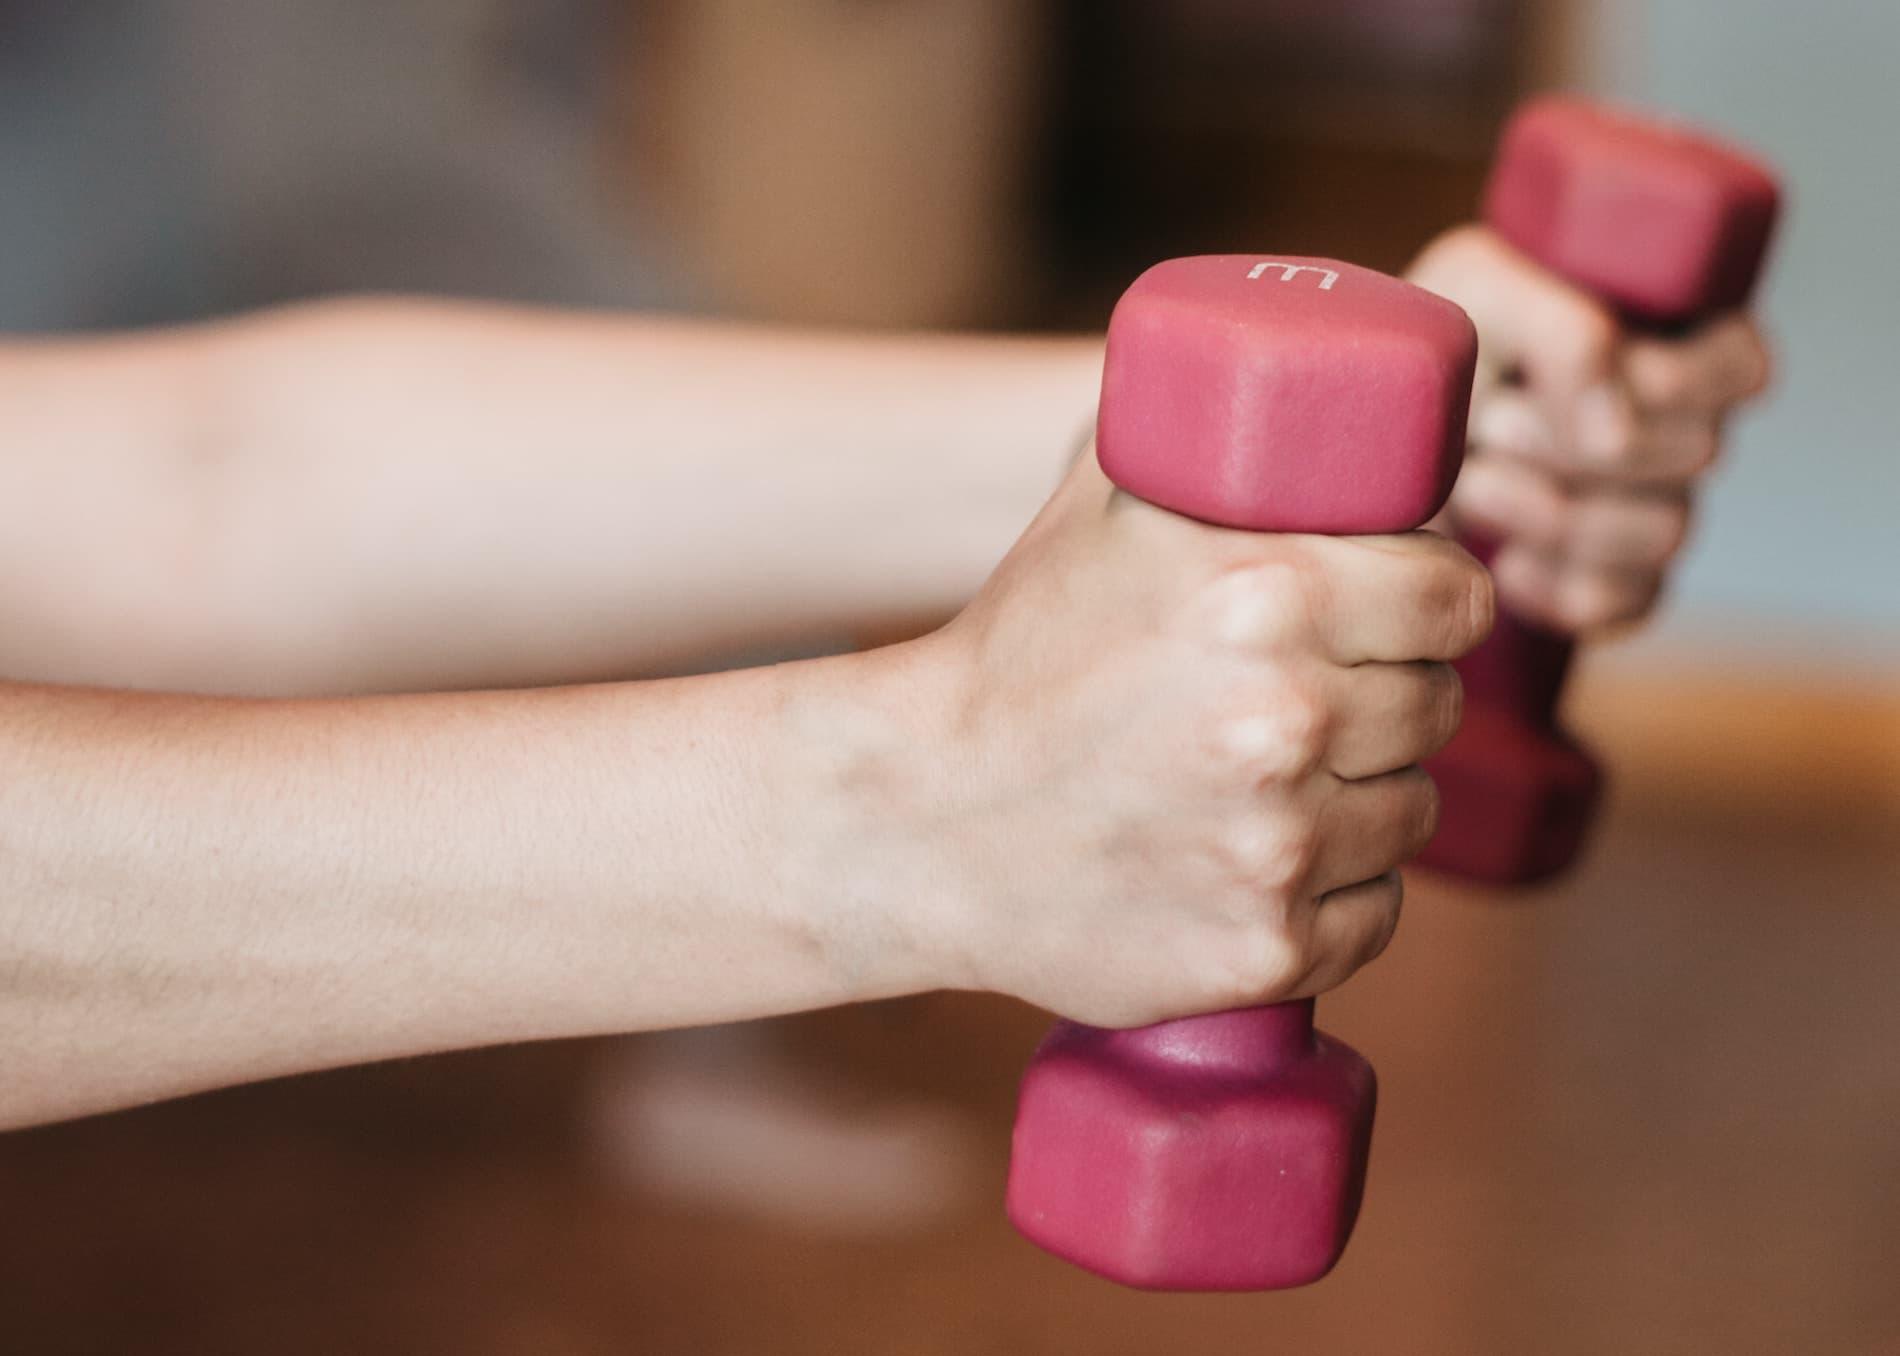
1667,226
1285,395
1662,222
1218,1153
1228,1152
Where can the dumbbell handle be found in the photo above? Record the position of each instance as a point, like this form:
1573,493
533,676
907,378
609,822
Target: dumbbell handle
1520,668
1245,1042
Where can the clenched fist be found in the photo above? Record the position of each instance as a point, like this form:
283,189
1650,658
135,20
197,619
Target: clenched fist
1587,441
1181,760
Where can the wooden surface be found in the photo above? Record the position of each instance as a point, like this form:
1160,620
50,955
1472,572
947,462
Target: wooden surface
1655,1110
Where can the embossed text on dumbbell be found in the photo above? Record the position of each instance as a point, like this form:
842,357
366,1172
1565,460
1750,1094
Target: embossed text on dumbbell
1288,272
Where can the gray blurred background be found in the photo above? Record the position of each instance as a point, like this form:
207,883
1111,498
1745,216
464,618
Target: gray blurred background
953,162
1798,542
175,158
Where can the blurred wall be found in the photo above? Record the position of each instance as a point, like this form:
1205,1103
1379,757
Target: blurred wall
165,158
843,162
162,159
1799,545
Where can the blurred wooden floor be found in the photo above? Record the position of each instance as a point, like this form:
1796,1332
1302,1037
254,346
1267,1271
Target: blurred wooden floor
1656,1111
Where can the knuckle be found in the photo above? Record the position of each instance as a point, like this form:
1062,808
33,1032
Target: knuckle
1576,611
1667,380
1468,240
1453,255
1274,858
1263,604
1589,601
1584,337
1305,728
1248,748
1283,736
1261,960
1246,852
1620,447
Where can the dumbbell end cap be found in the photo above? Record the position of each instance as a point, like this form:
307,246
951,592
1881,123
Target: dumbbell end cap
1285,394
1169,1176
1663,222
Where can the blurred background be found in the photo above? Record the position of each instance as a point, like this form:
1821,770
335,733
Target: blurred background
1653,1109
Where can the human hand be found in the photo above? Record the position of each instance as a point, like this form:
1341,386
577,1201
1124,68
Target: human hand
1587,441
1182,759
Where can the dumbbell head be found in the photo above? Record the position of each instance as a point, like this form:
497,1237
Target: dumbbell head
1664,223
1217,1153
1667,226
1228,1152
1285,394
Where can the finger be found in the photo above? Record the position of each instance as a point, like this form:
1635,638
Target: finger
1664,452
1572,600
1396,599
1351,928
1634,533
1508,500
1576,525
1657,449
1392,716
1669,450
1560,338
1722,364
1555,343
1600,435
1508,423
1370,826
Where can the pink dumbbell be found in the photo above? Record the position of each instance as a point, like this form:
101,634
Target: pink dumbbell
1228,1152
1668,228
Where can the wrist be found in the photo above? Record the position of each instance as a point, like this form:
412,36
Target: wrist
1037,401
867,758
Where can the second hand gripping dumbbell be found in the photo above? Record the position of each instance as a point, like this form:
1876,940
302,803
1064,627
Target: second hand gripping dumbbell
1228,1151
1668,228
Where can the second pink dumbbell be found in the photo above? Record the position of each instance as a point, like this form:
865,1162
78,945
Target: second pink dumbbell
1667,227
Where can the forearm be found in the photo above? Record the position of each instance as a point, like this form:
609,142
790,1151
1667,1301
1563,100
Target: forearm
196,892
386,495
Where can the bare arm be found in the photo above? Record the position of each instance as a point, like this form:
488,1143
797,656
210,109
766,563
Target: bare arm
389,495
1155,767
201,891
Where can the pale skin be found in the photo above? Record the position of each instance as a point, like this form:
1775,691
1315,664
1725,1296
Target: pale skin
1153,768
1588,440
400,495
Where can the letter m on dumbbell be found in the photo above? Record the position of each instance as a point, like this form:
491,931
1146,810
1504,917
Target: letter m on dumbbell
1327,277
